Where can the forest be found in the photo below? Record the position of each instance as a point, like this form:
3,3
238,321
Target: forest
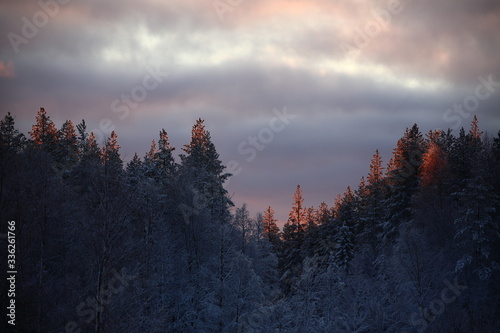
157,245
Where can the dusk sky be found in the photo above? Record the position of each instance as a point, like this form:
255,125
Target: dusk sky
351,75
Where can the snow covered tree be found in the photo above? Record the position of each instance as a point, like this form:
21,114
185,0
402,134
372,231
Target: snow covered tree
344,250
135,170
403,179
347,215
477,227
293,236
202,166
243,224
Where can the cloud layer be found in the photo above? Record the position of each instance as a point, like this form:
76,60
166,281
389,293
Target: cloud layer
355,74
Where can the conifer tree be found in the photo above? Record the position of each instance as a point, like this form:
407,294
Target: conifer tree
477,232
311,218
403,178
165,162
324,214
434,164
93,153
344,251
201,166
67,152
110,156
376,170
296,218
271,230
11,139
151,161
135,170
44,132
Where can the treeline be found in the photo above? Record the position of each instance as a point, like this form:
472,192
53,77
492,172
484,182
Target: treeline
150,246
415,247
158,246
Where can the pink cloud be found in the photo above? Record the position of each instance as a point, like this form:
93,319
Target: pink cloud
7,69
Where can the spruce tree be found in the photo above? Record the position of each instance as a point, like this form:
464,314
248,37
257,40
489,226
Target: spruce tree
296,218
324,214
11,140
403,179
67,149
202,167
477,229
110,157
376,171
271,230
44,133
151,161
165,162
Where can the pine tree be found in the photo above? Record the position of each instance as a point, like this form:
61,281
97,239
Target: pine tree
44,132
93,153
296,218
311,218
324,214
344,250
111,160
151,161
67,152
271,230
433,169
203,166
346,214
474,132
10,138
403,178
376,170
135,170
477,232
165,162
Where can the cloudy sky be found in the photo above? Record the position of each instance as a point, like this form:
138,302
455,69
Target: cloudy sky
351,76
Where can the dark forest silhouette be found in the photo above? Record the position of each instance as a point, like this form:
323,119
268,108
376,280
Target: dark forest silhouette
157,246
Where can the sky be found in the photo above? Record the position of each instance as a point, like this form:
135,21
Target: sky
292,92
